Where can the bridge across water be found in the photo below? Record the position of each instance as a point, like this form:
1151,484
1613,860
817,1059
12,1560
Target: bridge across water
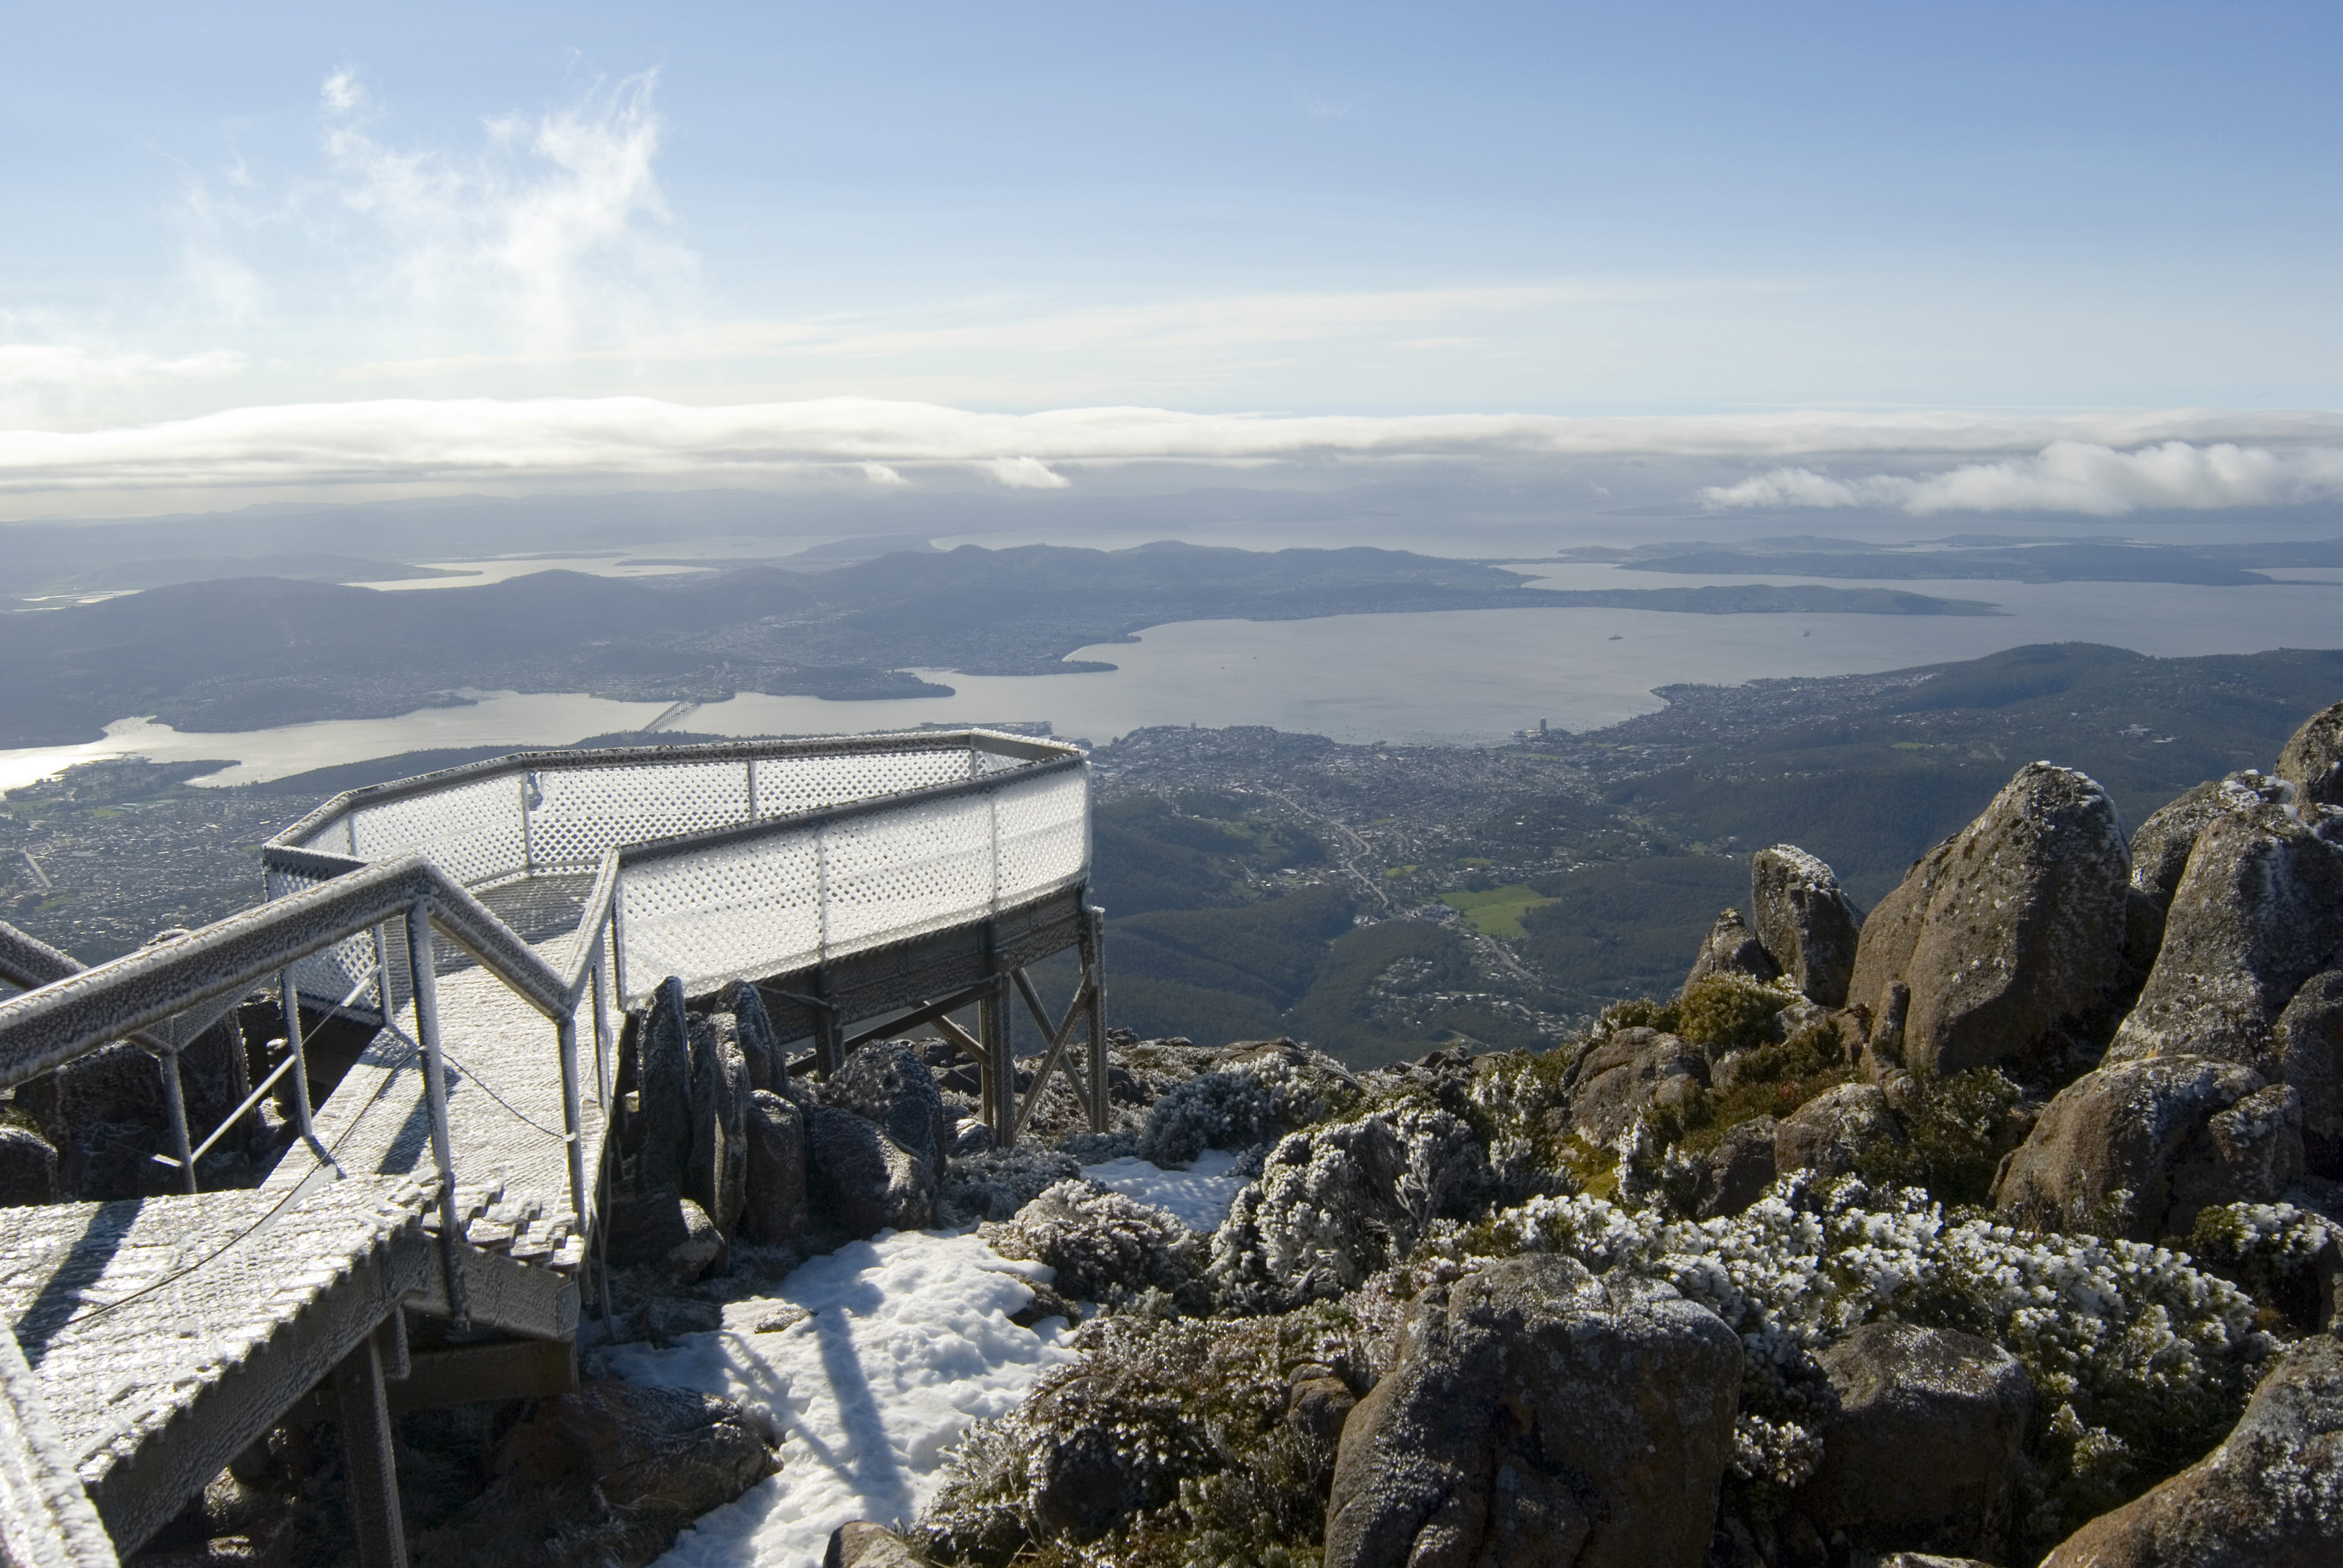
484,923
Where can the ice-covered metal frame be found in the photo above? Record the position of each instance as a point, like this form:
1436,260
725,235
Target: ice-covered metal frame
729,861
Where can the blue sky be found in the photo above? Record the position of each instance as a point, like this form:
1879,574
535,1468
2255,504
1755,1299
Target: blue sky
1380,213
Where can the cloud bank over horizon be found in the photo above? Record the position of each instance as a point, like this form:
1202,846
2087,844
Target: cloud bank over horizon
1917,462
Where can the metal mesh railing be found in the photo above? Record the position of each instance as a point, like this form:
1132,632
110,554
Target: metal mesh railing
734,860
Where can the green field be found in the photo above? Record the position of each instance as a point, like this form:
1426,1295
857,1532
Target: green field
1497,912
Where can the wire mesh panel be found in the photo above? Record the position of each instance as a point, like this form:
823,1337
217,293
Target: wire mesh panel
327,976
575,814
809,781
1045,835
903,873
471,829
730,910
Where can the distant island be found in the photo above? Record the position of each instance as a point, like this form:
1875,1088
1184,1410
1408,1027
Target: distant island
255,652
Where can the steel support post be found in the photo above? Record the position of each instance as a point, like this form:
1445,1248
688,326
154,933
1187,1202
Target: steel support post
572,1116
1093,956
175,1103
288,1002
601,1034
994,1028
368,1457
435,1094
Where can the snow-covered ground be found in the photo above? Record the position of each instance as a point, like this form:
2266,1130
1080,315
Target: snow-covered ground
1198,1196
872,1360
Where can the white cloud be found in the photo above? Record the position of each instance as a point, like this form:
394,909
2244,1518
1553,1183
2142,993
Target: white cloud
1026,474
2066,475
2076,462
551,235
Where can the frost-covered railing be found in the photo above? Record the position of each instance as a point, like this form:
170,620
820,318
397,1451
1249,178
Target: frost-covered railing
727,862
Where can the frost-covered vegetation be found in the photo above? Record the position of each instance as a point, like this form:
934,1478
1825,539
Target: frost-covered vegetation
2140,1360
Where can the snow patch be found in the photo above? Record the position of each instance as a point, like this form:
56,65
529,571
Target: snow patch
1198,1196
908,1343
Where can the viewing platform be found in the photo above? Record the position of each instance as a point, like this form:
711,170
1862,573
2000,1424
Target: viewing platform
486,924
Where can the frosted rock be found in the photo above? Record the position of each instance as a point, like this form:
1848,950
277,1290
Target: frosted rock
776,1209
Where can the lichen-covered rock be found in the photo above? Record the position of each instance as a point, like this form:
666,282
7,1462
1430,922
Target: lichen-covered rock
776,1208
861,1180
2160,850
2310,1061
1922,1451
2271,1495
2257,912
1808,926
2010,935
1256,1091
1334,1205
28,1167
1106,1247
716,1168
1634,1072
2312,759
1732,948
1829,1133
1541,1415
1737,1171
2135,1149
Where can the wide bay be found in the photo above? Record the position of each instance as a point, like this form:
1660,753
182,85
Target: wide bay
1468,677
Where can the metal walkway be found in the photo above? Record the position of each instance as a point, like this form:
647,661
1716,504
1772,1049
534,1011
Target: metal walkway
454,1170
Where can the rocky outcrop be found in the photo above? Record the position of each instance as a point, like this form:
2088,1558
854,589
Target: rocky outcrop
1634,1072
1808,926
1334,1205
2136,1148
2310,1061
1828,1133
28,1167
716,1167
1922,1452
769,1065
2312,759
666,1232
886,1082
2009,936
2272,1496
861,1180
2257,911
1732,948
1105,1247
1538,1415
863,1544
1737,1172
657,1134
776,1209
2160,850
